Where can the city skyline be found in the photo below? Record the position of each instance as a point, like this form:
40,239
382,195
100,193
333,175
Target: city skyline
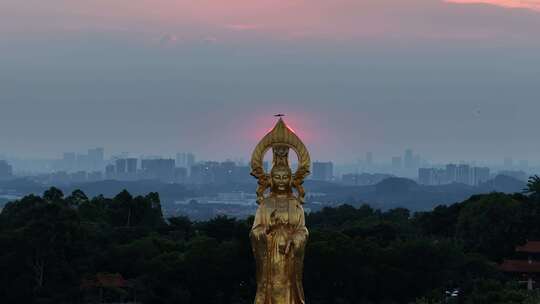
371,158
95,164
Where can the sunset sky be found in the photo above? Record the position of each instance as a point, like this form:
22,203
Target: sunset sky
454,80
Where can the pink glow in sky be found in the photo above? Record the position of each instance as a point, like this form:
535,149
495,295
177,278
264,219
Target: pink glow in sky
253,20
208,75
527,4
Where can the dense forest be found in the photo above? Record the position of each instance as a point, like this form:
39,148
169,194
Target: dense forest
58,248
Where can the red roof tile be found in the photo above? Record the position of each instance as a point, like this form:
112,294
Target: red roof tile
530,247
521,266
104,280
110,280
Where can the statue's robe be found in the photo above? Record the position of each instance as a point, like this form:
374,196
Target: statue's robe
279,275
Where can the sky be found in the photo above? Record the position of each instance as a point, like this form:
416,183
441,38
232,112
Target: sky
453,80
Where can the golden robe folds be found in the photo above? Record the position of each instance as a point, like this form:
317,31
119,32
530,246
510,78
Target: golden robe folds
279,262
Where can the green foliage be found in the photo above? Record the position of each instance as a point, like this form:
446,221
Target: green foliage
425,300
50,244
491,225
533,185
441,222
495,292
42,239
77,198
53,195
181,228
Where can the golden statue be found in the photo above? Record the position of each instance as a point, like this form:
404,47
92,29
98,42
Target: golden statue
279,234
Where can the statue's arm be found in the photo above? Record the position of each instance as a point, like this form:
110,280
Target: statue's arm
258,244
301,233
258,230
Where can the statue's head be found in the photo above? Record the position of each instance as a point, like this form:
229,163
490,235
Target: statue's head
281,179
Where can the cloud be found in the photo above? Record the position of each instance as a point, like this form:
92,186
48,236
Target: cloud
242,27
526,4
210,40
168,39
269,20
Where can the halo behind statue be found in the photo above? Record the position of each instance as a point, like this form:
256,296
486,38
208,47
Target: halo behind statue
280,139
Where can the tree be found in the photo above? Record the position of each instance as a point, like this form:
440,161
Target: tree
533,186
47,238
354,255
440,222
77,198
182,227
53,195
491,225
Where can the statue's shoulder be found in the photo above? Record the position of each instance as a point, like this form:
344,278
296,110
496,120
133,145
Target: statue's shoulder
267,202
295,202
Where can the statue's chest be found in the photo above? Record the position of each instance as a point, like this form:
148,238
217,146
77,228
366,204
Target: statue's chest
280,211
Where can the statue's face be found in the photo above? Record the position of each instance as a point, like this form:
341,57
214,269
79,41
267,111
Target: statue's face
281,180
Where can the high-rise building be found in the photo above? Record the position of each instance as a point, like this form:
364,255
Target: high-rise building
6,171
96,158
479,175
196,175
110,172
121,167
431,176
451,173
242,174
160,169
185,160
69,161
425,176
180,175
190,160
464,174
180,160
204,172
323,171
83,162
409,159
225,173
131,166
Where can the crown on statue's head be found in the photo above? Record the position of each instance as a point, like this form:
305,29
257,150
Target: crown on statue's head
281,155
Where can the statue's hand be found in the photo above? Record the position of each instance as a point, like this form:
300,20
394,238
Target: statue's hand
259,233
287,247
298,240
